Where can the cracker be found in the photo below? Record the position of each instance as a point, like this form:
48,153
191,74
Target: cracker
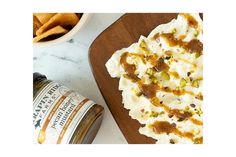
36,25
53,31
44,17
62,19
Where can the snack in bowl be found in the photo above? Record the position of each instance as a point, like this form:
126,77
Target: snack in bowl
161,79
49,26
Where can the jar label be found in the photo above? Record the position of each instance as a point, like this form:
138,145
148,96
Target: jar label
57,111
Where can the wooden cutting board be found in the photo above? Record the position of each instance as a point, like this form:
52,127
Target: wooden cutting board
121,34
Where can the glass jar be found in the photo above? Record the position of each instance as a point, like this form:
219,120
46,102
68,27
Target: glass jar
61,115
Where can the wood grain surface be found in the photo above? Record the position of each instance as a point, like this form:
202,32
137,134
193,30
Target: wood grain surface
121,34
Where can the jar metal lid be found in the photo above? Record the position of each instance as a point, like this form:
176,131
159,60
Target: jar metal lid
38,77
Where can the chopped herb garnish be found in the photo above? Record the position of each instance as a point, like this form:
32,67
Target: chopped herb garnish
197,54
154,79
150,71
173,30
187,108
162,112
182,82
165,75
195,83
196,33
139,94
154,114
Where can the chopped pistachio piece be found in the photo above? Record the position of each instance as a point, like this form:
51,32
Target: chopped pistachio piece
197,55
139,94
195,83
196,33
143,44
196,142
187,108
165,75
154,80
154,114
143,60
149,126
162,112
173,30
143,47
150,71
182,82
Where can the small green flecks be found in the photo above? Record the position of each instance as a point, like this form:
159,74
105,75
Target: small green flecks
154,114
143,47
197,55
196,33
173,30
196,142
195,83
154,79
150,126
150,71
162,112
139,94
182,82
187,108
165,75
143,44
143,60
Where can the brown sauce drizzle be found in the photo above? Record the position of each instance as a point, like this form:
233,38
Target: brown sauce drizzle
199,96
129,68
161,65
160,127
174,74
149,90
165,127
182,115
137,55
152,59
134,78
188,62
191,20
195,121
177,92
183,36
198,140
194,46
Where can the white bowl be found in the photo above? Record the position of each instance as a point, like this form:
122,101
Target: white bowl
83,20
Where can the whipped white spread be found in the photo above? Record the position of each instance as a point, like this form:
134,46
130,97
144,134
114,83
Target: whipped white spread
169,63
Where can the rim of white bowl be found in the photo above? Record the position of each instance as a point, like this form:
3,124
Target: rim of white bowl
68,35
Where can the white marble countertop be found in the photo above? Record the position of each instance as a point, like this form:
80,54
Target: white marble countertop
67,63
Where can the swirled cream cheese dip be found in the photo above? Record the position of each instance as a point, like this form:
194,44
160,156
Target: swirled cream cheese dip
161,79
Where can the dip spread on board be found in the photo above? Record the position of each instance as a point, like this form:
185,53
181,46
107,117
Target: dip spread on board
161,79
